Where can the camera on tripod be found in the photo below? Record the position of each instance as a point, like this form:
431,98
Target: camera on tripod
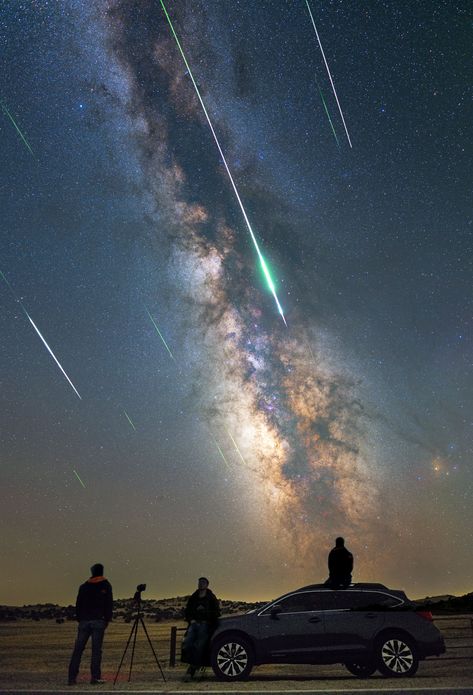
139,589
134,631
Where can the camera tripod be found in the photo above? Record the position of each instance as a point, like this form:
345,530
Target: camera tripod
134,631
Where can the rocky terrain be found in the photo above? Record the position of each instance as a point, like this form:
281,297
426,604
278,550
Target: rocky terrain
448,603
123,609
172,609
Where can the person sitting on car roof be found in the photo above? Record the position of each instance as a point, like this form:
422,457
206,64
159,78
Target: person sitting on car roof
340,565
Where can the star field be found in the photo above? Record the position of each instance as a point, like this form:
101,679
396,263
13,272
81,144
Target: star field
244,454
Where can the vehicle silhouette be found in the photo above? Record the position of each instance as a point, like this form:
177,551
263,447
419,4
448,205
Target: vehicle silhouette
366,627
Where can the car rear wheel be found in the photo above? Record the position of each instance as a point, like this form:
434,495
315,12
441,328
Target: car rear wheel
397,656
231,658
361,670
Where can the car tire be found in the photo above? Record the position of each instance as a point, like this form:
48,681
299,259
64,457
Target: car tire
361,670
397,656
231,658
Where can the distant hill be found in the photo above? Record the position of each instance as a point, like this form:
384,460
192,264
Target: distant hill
157,610
123,609
448,603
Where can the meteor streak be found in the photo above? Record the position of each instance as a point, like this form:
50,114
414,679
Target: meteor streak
41,336
221,453
7,113
329,73
160,335
328,115
129,420
78,478
51,353
235,189
237,449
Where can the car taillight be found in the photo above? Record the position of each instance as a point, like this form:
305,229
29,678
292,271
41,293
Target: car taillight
427,615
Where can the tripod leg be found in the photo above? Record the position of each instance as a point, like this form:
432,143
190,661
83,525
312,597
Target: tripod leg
133,646
133,629
152,649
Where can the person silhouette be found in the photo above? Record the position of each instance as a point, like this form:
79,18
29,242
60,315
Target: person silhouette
340,565
202,613
94,607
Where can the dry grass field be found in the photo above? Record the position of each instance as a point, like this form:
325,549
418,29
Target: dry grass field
35,655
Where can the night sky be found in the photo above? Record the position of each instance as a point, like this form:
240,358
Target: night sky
245,453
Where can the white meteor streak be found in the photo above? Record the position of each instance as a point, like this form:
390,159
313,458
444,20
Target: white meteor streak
245,216
51,352
17,299
329,74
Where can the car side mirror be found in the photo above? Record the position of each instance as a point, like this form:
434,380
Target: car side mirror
275,612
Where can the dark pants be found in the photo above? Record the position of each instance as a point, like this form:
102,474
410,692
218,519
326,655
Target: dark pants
87,628
195,643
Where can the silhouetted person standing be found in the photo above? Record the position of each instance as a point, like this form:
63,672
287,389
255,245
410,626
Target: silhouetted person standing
94,608
340,565
202,614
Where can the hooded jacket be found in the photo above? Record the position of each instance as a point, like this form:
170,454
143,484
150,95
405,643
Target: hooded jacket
95,600
340,563
206,609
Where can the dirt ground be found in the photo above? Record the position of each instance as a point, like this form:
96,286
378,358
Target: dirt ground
35,656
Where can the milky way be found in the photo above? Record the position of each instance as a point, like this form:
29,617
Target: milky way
209,438
297,420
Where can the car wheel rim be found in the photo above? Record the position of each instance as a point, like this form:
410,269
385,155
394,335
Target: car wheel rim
232,659
397,656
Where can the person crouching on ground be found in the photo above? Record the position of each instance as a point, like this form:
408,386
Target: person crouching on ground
94,608
202,613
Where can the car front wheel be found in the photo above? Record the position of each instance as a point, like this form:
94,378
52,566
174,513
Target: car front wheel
231,658
397,656
361,670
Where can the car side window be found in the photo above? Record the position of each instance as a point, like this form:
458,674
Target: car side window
301,602
348,600
363,600
384,601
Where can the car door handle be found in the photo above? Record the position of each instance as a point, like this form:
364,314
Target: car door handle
370,615
315,619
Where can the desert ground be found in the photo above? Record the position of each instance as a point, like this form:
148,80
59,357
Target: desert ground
34,657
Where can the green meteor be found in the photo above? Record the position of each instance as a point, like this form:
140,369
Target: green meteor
129,419
7,113
221,453
78,478
235,189
160,335
328,71
328,115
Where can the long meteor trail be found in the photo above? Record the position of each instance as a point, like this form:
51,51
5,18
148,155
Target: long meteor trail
235,189
222,454
237,448
329,73
160,334
129,420
7,113
78,478
328,114
41,336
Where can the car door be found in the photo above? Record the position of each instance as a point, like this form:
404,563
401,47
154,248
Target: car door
291,630
353,621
